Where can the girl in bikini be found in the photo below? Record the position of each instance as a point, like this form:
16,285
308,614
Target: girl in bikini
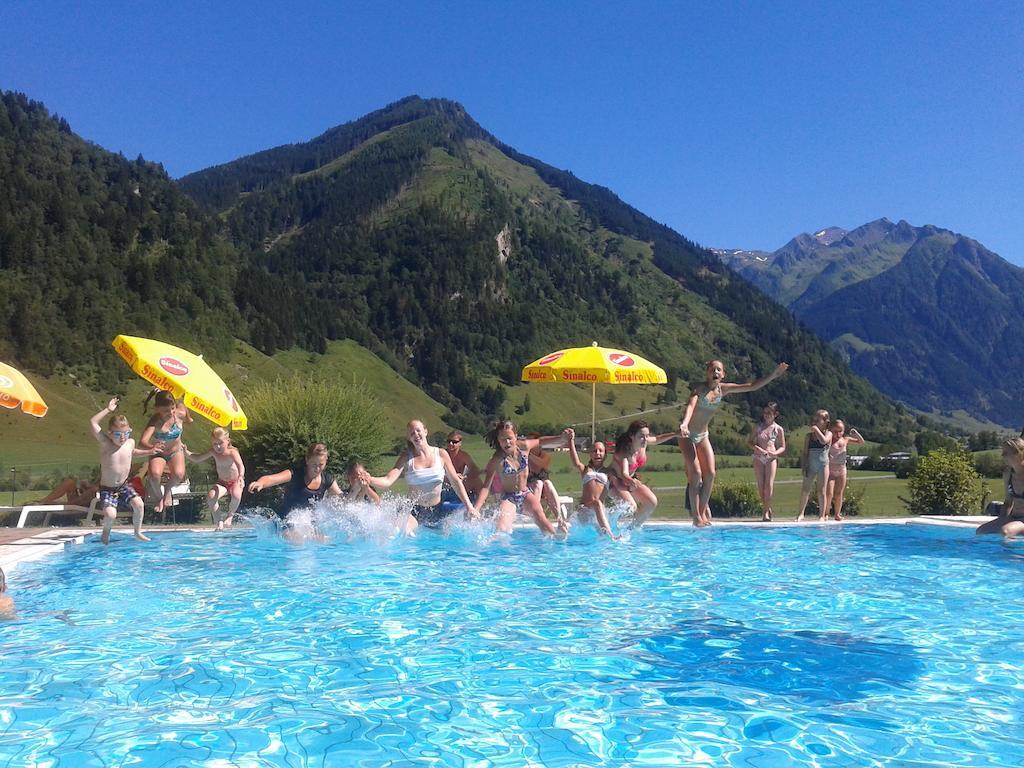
629,457
163,432
507,473
814,463
768,441
1010,521
425,468
230,475
595,480
835,486
698,454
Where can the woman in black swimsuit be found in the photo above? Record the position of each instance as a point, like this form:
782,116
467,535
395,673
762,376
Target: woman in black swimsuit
1011,520
308,481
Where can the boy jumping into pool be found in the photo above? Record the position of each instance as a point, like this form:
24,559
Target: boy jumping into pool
230,475
116,452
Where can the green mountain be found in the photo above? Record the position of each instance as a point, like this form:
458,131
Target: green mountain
412,232
929,316
456,258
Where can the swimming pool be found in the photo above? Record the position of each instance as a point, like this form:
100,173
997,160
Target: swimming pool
852,645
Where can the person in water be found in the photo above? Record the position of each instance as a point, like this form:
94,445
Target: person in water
6,601
117,448
814,463
694,441
768,441
835,486
308,483
230,476
595,480
358,489
463,463
629,457
506,474
425,468
1010,521
163,432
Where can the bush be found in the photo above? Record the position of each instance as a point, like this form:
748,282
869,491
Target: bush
735,500
944,483
288,415
853,502
989,464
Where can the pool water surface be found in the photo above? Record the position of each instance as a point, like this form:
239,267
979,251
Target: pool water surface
844,645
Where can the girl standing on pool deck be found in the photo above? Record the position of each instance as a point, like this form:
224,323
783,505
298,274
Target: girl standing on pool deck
164,429
835,487
1010,521
768,441
629,457
425,468
814,463
698,454
507,472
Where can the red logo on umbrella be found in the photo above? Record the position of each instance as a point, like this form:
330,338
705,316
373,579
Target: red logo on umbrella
550,358
231,399
621,358
173,366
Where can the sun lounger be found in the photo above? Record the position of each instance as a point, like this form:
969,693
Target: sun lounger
51,510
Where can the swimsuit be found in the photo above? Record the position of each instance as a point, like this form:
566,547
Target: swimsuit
507,470
299,494
817,455
118,496
593,474
765,438
433,516
836,462
705,403
166,437
228,485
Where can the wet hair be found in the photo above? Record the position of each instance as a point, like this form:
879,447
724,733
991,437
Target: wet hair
220,434
117,420
625,440
161,399
352,466
316,449
1017,444
498,426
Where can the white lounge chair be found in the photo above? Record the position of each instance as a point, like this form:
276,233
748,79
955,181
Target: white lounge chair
51,510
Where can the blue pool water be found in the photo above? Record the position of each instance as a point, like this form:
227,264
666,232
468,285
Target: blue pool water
854,645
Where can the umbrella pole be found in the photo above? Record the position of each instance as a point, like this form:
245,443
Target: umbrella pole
593,412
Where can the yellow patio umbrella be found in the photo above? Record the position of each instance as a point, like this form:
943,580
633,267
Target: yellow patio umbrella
16,390
594,365
185,375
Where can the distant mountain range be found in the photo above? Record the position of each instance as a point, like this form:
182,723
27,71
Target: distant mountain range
929,316
411,231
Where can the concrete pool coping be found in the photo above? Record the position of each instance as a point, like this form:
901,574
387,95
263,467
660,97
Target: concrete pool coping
16,547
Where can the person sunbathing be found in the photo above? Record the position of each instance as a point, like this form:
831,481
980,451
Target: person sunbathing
71,490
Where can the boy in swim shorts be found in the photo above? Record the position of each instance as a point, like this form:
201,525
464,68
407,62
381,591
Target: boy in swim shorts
230,475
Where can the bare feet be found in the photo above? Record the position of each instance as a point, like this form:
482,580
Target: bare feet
800,518
105,537
142,537
822,518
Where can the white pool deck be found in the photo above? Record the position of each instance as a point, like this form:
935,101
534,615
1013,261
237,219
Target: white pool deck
33,546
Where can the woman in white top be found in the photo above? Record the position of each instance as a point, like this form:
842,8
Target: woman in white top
425,468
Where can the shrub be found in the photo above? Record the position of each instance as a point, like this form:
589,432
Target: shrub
288,415
735,500
989,464
944,483
853,502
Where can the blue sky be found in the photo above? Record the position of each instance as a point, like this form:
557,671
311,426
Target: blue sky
738,124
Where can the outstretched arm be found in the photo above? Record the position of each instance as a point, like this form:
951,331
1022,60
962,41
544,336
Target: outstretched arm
269,481
393,474
753,386
662,438
94,422
573,456
456,481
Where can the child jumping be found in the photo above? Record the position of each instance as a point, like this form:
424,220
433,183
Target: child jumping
230,475
768,441
116,452
595,480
